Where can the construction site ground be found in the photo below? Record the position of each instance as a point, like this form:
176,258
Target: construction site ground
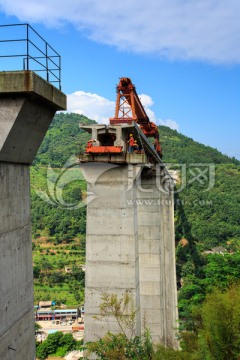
48,327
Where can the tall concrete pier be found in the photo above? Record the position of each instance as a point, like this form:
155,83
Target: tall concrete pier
27,106
130,240
157,270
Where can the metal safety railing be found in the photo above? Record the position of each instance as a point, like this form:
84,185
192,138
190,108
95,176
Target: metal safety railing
22,48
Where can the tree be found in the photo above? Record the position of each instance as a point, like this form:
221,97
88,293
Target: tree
37,326
126,344
36,271
57,343
219,324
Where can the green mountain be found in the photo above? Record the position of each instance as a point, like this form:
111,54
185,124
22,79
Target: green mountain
63,139
207,203
211,214
182,149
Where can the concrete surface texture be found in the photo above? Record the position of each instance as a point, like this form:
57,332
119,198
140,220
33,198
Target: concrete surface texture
29,84
111,246
25,115
157,269
130,247
16,279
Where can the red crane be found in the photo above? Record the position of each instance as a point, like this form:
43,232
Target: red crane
129,108
129,111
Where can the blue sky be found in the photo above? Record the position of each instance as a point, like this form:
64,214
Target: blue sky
182,55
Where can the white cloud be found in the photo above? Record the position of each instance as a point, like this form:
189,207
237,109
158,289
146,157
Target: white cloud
101,109
146,100
91,105
206,30
170,123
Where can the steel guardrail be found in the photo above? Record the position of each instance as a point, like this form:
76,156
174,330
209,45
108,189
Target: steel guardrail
22,48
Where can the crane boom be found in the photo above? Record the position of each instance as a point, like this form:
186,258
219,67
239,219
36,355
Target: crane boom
129,108
125,139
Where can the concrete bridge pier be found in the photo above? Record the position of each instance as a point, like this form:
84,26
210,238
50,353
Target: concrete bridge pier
130,247
27,106
111,245
157,268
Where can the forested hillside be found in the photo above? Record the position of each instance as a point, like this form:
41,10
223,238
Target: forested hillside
212,215
207,203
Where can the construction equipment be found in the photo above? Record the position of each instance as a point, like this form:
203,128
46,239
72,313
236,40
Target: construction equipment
110,142
129,108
